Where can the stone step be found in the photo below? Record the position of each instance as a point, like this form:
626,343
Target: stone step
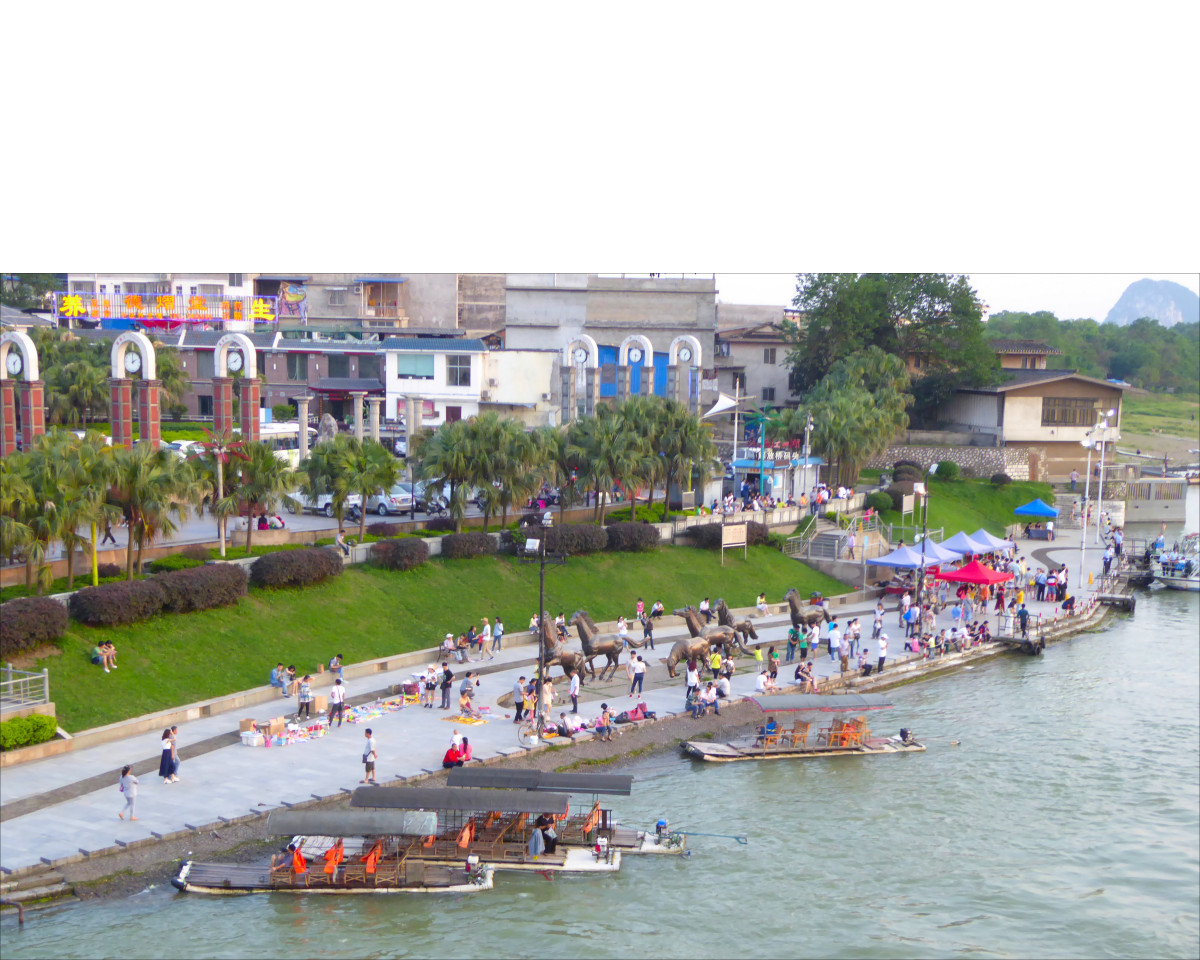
42,879
39,893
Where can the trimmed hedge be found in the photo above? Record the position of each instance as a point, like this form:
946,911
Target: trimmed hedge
296,568
572,538
113,603
442,524
908,473
898,491
459,546
1001,479
906,463
403,554
382,531
27,731
948,470
106,570
878,501
177,561
709,535
30,622
632,536
202,588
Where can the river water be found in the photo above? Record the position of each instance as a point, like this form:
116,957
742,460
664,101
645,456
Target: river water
1065,822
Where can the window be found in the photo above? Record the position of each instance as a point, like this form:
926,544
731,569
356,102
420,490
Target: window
768,394
722,348
769,355
101,289
211,290
116,289
608,374
414,366
235,279
337,296
297,366
458,371
205,366
84,287
368,368
339,365
179,290
194,291
1068,411
206,403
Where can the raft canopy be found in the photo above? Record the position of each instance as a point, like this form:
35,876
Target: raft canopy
542,781
795,702
351,823
459,799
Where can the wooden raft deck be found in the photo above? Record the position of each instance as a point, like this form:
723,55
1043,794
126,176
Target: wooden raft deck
730,752
231,879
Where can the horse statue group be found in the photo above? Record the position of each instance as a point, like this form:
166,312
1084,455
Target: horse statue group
727,635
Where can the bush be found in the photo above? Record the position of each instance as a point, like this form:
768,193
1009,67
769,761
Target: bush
831,516
878,501
109,570
1001,479
709,535
403,554
948,470
644,512
27,731
908,473
176,561
777,540
296,568
202,588
571,538
29,623
444,524
900,464
897,492
459,546
970,472
283,411
126,601
385,531
177,411
632,536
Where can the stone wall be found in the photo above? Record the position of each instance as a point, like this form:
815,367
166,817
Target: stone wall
984,461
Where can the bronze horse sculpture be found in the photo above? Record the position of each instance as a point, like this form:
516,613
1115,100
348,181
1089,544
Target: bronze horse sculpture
703,639
557,652
595,645
743,628
804,615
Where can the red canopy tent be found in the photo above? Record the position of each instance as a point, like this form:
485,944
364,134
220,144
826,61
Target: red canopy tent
975,572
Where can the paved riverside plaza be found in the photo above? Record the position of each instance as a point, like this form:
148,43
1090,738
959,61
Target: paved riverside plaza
234,780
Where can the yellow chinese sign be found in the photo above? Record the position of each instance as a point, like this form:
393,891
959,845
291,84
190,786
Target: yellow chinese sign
164,309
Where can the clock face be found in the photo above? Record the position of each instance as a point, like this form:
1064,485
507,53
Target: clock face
685,354
580,355
13,363
234,360
133,362
635,355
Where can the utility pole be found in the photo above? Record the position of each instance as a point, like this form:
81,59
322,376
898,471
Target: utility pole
541,558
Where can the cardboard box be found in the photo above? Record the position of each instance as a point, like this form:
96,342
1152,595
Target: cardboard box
245,726
277,727
320,703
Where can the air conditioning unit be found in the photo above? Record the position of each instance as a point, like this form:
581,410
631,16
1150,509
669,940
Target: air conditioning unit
493,383
357,290
485,394
545,396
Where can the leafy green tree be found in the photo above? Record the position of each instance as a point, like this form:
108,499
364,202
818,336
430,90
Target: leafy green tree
25,291
265,482
326,471
153,489
370,469
447,456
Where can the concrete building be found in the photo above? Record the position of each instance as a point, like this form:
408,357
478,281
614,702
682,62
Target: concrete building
618,335
751,354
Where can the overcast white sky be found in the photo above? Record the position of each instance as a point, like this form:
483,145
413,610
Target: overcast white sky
1069,296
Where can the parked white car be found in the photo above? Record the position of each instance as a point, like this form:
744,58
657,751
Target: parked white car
397,500
323,503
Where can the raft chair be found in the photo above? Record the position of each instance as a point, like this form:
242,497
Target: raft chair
299,868
798,735
833,734
333,856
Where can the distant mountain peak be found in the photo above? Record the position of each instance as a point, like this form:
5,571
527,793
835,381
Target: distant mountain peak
1163,300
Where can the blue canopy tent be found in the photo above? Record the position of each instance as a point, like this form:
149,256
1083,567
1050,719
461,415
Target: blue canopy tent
904,558
965,544
982,536
1036,508
936,552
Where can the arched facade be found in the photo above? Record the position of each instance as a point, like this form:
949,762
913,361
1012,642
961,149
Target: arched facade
30,393
223,386
580,377
692,345
640,341
571,352
132,352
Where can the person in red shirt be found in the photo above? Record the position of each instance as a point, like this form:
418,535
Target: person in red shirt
452,758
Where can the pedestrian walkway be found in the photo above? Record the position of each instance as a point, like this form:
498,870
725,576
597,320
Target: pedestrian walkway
233,781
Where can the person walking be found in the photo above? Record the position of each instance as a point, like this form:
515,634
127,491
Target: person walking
497,636
878,619
850,542
128,786
883,647
692,675
444,686
573,691
518,692
370,755
305,698
1023,620
337,702
108,536
485,639
166,762
714,663
793,639
175,761
647,631
834,640
1074,479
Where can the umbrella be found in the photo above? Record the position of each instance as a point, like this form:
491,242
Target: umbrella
1035,508
975,572
982,536
965,544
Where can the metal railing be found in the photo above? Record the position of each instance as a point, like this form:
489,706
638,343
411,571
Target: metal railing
21,688
909,533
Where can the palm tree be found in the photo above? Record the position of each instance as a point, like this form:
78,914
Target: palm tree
149,486
88,391
609,448
325,471
551,454
93,462
447,456
210,466
687,448
369,469
266,482
47,462
642,418
16,494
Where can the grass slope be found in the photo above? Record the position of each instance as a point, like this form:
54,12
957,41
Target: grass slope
1149,413
968,505
366,613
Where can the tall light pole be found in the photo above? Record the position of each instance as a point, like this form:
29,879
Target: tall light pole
541,558
1087,486
1102,426
808,425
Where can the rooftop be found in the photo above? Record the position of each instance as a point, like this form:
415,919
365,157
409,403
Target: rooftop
1040,347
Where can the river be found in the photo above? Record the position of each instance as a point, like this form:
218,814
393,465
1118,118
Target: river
1065,822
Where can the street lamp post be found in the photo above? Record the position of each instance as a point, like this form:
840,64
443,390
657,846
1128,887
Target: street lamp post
808,425
541,558
1087,487
1102,427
